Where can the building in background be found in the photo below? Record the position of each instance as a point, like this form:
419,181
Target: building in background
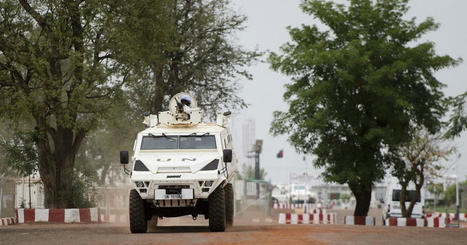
29,193
7,197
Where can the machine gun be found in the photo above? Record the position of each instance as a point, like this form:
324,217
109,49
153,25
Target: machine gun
181,113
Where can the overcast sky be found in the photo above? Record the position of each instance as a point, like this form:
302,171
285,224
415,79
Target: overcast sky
266,30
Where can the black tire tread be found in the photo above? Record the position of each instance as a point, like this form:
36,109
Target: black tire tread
217,222
229,204
138,222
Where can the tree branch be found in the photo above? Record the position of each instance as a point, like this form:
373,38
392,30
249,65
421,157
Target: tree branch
40,19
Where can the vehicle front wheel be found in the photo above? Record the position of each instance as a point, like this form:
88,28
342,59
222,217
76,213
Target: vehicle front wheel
138,221
229,204
217,221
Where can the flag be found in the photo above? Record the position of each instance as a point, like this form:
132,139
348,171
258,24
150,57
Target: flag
280,154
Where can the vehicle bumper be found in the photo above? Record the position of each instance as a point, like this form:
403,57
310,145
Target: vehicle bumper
202,183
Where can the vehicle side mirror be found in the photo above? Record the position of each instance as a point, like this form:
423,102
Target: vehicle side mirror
124,159
227,156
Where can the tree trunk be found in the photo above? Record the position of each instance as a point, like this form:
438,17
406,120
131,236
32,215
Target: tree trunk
58,183
402,197
412,204
104,173
57,153
362,193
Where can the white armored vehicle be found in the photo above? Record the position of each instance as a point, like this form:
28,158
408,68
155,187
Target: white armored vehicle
182,166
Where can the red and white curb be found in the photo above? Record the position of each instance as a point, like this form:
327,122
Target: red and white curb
359,220
307,206
71,215
437,222
452,216
418,222
8,221
293,219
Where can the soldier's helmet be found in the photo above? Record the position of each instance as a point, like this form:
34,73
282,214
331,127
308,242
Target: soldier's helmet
185,100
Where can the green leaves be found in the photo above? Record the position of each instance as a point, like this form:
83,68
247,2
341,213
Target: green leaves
360,87
174,46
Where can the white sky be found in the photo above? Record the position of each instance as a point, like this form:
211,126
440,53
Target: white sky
266,30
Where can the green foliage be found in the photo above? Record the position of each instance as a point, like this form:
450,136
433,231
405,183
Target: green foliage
345,198
94,68
359,87
248,172
458,117
173,46
18,153
450,195
100,149
56,69
82,183
435,188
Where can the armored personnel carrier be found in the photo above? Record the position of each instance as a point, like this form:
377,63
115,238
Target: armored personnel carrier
181,166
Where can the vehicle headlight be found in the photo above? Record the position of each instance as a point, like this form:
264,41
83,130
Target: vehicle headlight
139,184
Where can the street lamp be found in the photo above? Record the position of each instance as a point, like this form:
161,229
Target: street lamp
454,164
257,148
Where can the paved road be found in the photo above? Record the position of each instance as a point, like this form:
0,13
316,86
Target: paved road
240,234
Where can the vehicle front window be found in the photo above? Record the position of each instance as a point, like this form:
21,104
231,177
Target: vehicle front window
159,143
198,142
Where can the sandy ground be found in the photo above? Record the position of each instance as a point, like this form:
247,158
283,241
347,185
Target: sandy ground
247,230
241,234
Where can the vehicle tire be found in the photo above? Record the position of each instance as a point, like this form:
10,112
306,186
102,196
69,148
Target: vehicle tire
138,220
217,220
229,204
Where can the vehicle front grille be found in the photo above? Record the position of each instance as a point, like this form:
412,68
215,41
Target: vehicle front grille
174,170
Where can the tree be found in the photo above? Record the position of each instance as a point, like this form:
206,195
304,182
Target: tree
182,45
55,68
417,161
436,189
458,117
358,88
450,195
248,172
99,150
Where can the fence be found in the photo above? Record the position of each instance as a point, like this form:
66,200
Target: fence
252,193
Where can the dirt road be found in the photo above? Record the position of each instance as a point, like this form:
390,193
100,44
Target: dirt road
170,233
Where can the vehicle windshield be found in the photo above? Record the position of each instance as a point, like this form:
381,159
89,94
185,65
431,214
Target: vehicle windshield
409,195
198,142
168,142
159,142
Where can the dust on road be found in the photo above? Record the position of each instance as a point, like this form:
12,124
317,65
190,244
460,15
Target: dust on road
240,234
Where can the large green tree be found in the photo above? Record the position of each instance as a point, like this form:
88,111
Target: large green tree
55,69
359,86
183,45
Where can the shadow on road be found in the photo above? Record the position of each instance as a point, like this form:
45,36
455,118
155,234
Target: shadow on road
178,229
197,229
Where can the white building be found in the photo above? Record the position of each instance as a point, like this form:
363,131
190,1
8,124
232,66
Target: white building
29,191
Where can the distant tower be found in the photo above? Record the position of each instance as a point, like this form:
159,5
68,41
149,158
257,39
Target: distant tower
248,138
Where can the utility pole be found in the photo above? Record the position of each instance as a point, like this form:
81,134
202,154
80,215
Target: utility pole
30,206
257,149
457,196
